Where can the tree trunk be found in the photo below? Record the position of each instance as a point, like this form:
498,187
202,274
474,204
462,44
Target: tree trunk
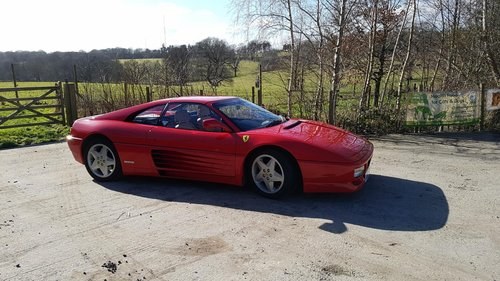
441,49
391,65
453,47
291,79
371,55
336,66
408,52
380,72
318,101
486,41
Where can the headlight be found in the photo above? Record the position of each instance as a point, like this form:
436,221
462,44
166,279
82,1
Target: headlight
358,172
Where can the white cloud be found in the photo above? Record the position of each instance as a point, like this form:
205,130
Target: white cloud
65,25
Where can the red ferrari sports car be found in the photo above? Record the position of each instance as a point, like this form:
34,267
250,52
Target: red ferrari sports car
221,139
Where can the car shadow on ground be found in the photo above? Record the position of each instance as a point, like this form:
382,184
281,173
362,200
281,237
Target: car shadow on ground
385,203
445,137
460,140
467,145
492,137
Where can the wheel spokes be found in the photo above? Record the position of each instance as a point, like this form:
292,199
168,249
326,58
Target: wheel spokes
261,164
110,161
271,165
259,177
101,160
93,153
94,166
277,177
267,174
270,185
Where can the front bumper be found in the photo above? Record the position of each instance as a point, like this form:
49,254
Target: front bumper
333,177
75,145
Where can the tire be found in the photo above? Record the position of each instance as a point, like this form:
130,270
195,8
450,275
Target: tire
272,174
102,160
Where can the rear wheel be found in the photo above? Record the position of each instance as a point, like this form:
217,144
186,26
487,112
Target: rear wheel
272,173
102,160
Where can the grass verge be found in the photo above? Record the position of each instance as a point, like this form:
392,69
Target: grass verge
16,137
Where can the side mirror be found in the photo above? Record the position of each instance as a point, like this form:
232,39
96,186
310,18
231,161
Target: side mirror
214,125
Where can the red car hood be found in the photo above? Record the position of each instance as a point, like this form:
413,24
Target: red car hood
344,145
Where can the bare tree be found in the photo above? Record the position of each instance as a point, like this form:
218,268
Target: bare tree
336,62
371,56
490,55
273,16
316,39
450,60
407,57
441,46
235,62
177,60
215,56
134,72
389,19
393,56
293,64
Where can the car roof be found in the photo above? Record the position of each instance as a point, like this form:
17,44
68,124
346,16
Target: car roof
124,113
199,99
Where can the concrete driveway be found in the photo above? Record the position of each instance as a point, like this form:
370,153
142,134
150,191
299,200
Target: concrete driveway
430,211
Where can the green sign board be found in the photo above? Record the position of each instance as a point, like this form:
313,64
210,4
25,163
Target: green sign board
443,108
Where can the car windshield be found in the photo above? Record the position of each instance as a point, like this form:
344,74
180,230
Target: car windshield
248,116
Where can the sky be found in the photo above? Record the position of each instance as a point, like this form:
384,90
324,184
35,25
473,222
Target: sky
84,25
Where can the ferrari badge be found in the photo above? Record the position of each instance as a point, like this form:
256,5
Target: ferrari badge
246,138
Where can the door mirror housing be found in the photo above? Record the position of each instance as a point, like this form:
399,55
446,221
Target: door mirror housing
214,125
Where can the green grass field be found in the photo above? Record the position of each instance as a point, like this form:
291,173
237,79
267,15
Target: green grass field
36,134
98,98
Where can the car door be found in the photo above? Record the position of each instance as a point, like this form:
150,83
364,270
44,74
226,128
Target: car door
130,139
190,152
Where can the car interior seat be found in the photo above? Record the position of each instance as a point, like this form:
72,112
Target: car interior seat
203,113
183,120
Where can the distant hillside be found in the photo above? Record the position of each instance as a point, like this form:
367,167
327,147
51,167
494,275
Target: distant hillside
42,66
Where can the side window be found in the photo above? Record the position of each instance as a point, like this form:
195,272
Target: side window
149,116
203,113
187,116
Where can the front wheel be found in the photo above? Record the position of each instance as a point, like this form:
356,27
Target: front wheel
102,160
272,173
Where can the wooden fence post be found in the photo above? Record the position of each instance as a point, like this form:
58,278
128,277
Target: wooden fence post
259,92
60,101
149,94
253,94
75,76
125,93
14,78
70,103
483,103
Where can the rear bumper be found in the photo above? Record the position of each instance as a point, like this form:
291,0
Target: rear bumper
75,145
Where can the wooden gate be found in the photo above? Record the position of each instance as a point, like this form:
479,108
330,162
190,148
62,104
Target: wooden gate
22,107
